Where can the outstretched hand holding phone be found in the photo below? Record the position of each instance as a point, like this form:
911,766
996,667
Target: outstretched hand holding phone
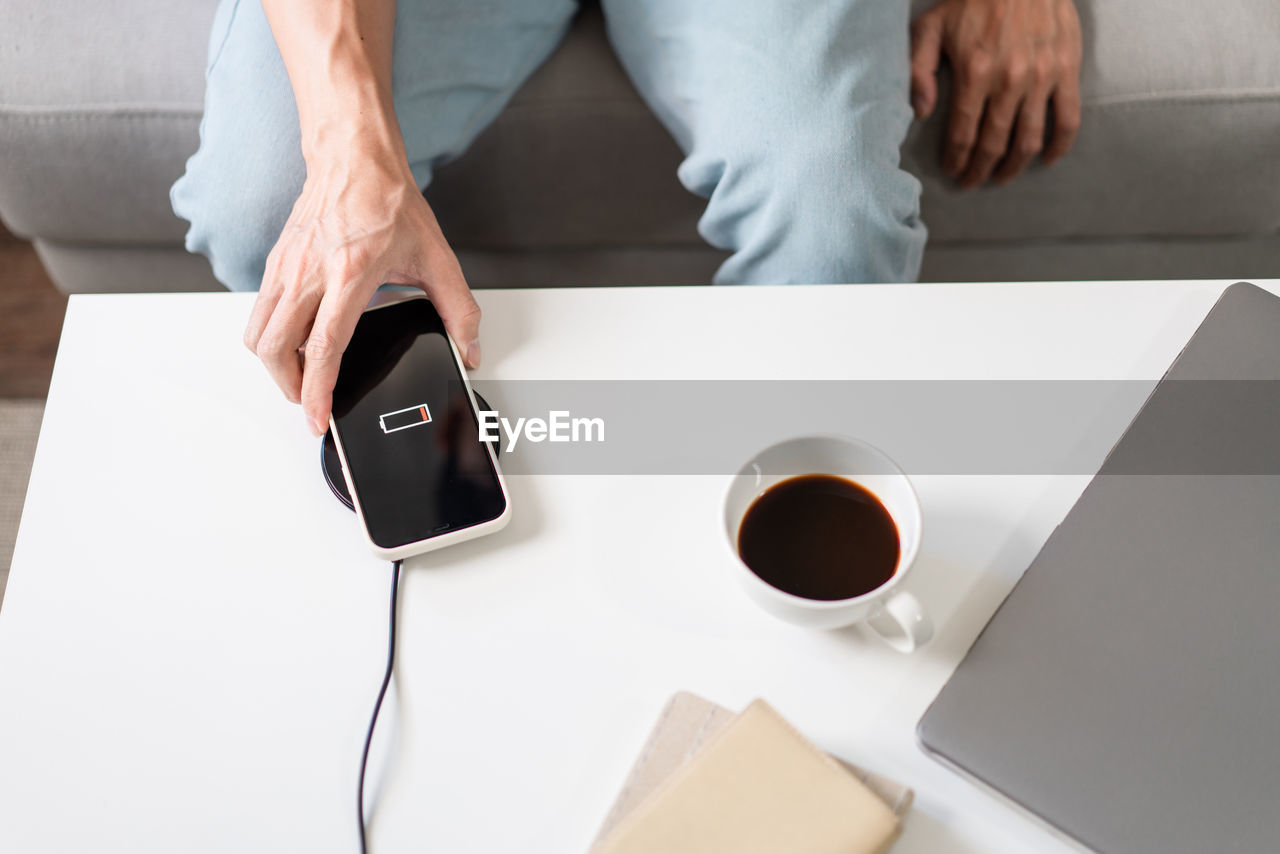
360,221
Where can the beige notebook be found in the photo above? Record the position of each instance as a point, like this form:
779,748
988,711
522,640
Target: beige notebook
756,786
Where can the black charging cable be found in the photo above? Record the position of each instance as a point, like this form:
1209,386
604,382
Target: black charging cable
377,707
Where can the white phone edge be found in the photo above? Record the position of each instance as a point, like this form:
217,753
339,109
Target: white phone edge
452,537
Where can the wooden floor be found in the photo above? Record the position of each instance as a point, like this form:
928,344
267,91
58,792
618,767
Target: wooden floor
31,311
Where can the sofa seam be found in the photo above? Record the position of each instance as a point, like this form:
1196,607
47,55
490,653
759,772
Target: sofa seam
1083,239
87,114
1000,242
34,114
969,243
121,244
566,248
1187,98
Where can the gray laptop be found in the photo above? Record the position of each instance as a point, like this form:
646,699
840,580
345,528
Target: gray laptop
1128,690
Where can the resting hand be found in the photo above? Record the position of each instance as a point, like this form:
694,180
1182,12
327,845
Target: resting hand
1010,58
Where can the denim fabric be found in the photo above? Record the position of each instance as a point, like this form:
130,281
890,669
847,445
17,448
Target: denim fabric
790,117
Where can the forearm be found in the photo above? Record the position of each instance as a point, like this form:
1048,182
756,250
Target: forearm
338,56
360,220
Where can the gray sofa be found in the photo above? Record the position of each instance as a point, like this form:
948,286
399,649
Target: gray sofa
1176,172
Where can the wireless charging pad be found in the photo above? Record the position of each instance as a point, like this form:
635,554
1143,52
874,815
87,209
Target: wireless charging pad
331,463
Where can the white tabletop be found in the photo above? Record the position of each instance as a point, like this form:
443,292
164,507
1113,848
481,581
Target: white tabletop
193,631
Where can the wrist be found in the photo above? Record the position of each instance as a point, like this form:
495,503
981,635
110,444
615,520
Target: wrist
361,170
338,56
354,135
348,114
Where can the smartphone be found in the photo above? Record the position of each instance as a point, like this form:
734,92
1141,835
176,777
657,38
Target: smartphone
404,420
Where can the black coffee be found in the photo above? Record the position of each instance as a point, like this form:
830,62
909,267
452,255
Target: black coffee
820,537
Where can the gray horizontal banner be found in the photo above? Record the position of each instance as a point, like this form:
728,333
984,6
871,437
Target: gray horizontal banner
926,427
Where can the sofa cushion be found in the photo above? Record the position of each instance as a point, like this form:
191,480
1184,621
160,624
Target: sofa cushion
576,159
99,109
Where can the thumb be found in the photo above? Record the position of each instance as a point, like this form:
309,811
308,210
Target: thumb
926,54
458,309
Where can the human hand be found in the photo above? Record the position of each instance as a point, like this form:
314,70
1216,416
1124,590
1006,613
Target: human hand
1010,58
359,222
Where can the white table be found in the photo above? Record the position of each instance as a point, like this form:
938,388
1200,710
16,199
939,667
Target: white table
193,631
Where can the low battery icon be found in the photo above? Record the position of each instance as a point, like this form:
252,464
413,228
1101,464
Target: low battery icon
403,419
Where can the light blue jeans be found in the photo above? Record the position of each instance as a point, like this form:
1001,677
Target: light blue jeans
790,117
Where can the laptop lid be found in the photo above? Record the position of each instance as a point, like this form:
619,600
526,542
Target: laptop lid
1128,689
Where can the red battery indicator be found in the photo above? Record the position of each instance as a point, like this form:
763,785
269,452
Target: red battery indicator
403,419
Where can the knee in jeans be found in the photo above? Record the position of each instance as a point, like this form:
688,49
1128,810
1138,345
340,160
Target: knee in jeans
854,213
857,184
235,213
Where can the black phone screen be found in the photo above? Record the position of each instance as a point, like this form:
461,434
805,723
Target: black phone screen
408,430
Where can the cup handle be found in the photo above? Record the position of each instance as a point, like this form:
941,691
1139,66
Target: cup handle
902,622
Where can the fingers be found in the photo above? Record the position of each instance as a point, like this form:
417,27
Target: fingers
281,319
993,142
1028,138
1009,60
926,54
318,282
1066,95
458,308
268,295
973,82
1066,119
335,322
286,331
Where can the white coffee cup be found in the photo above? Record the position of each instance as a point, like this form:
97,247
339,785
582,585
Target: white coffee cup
894,613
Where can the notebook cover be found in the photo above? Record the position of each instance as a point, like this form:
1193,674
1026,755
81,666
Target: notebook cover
686,724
